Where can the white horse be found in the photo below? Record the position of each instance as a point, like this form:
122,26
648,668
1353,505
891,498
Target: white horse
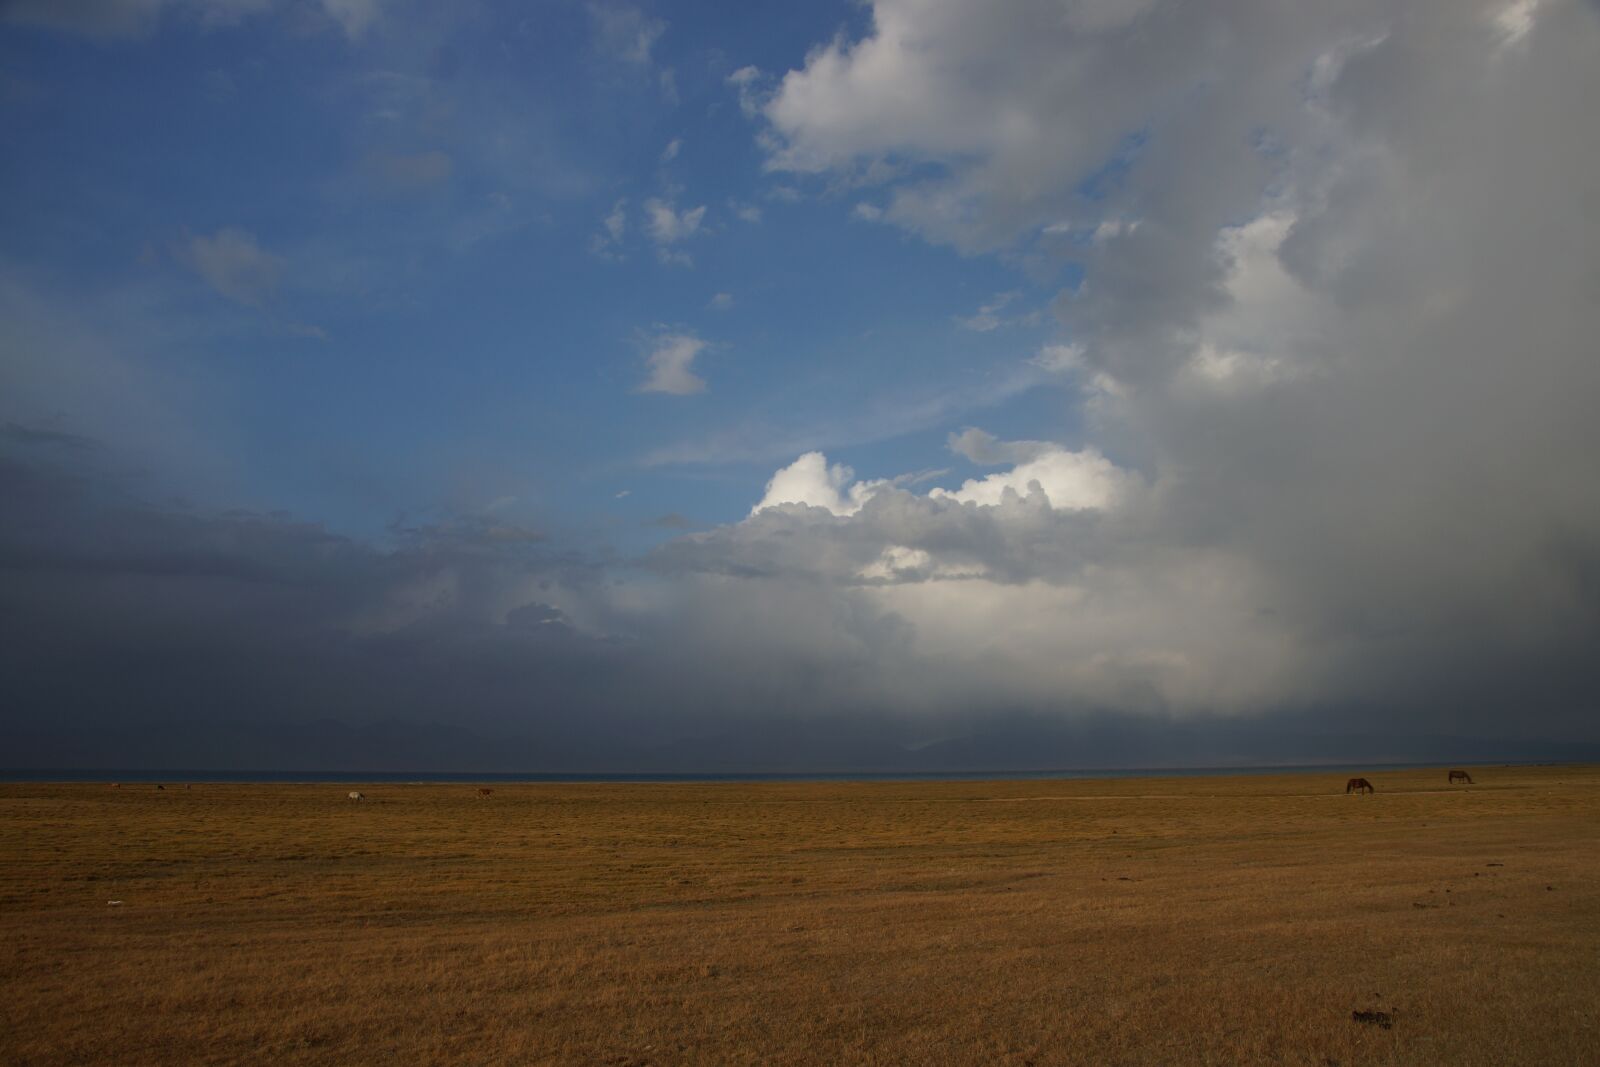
357,796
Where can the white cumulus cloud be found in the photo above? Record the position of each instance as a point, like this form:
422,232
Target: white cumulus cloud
812,481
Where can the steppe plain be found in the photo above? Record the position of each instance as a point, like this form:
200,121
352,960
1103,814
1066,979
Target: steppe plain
1249,919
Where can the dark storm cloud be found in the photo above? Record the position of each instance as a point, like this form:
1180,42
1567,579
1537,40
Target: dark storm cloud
235,634
137,633
142,634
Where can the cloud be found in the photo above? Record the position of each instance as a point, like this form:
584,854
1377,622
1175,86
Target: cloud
304,329
127,18
817,523
988,317
667,225
1322,487
72,365
811,482
613,228
233,264
355,17
1059,358
1028,635
672,521
416,172
132,18
616,222
1063,479
670,359
913,104
1071,480
1334,311
746,82
982,447
774,432
721,302
12,433
233,632
1515,19
624,32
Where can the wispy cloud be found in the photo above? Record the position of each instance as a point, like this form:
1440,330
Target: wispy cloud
607,243
411,172
232,263
624,32
765,437
671,358
667,224
133,18
988,317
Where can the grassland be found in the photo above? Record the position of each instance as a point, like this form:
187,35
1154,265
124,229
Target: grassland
1196,920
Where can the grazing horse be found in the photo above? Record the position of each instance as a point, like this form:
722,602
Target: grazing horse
1460,776
162,788
485,794
357,796
1358,785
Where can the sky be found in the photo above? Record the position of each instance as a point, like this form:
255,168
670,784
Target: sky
884,385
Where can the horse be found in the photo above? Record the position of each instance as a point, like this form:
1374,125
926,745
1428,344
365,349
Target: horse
485,794
357,796
1358,785
1460,776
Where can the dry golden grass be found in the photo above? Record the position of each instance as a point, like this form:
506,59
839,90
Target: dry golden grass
1194,920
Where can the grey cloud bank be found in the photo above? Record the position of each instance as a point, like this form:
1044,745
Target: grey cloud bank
1338,305
145,635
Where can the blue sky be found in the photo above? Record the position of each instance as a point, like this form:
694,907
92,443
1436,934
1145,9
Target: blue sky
415,305
627,385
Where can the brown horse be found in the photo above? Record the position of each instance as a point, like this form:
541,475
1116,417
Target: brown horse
1460,776
485,794
1358,785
